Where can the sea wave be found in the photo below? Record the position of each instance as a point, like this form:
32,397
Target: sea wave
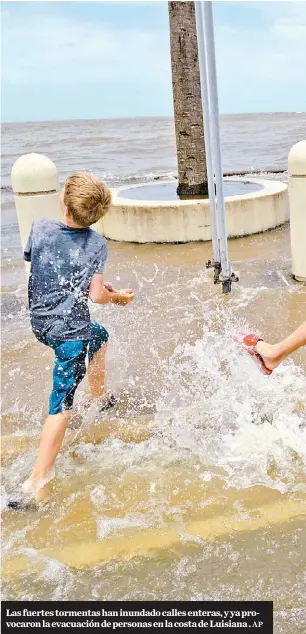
140,177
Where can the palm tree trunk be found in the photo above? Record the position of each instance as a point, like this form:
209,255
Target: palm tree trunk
187,101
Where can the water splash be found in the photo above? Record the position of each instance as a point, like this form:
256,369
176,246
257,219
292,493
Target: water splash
227,414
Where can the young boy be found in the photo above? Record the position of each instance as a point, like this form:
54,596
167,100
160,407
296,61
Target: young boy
67,263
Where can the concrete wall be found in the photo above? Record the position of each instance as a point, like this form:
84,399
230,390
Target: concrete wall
186,221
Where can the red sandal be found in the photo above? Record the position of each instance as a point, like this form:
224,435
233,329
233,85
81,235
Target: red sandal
249,343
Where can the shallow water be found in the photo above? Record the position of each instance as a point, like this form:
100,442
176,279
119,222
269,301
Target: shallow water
195,487
167,191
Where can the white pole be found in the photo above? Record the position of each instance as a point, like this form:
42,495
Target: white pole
207,135
216,142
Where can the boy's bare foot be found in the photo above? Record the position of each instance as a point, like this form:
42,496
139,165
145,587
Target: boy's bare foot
106,402
269,354
28,497
37,489
103,402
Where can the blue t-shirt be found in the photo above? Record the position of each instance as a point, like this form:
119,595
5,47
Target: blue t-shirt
63,261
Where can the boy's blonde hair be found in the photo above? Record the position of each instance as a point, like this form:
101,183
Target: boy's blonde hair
86,198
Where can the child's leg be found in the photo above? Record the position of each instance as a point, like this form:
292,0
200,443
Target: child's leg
50,443
97,349
96,373
69,370
273,355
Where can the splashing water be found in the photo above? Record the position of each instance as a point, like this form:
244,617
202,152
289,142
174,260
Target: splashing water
227,414
201,446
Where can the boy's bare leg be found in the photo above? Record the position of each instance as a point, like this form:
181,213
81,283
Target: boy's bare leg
96,374
273,355
51,439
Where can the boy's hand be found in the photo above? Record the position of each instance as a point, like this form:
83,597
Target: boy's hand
124,296
109,287
101,292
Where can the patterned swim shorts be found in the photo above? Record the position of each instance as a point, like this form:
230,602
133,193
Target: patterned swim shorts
70,367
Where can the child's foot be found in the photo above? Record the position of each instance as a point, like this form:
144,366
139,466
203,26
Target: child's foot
76,421
269,354
23,499
106,402
19,501
102,403
37,489
107,399
30,495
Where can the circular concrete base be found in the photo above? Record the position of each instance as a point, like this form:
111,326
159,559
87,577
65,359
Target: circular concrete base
188,221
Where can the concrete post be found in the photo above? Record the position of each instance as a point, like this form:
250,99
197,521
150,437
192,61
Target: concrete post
36,191
297,201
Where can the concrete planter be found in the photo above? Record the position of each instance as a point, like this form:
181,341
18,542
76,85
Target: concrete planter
36,192
189,221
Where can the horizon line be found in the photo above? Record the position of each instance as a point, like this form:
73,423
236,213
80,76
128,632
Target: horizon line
227,114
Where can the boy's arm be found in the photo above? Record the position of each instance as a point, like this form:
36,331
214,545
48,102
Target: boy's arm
99,293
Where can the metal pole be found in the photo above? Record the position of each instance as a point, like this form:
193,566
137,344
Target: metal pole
216,142
207,135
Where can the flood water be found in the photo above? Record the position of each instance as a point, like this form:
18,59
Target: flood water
195,487
167,190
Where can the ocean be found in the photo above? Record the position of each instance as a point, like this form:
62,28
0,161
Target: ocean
127,151
136,150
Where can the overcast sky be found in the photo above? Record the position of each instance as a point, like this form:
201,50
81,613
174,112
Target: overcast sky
79,60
